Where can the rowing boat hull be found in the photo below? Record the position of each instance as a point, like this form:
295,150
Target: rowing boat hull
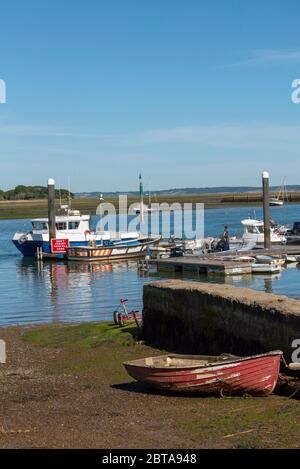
111,253
256,376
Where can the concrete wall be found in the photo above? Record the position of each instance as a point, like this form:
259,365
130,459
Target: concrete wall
194,318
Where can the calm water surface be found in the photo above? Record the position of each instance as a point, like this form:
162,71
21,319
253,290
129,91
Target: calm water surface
31,292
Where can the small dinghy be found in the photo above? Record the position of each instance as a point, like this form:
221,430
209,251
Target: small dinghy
266,268
292,259
223,375
269,260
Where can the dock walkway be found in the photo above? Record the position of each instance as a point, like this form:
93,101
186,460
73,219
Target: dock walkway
220,263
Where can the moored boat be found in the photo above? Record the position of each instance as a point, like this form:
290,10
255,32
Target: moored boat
254,232
110,251
291,259
276,202
266,268
71,227
281,197
229,375
260,259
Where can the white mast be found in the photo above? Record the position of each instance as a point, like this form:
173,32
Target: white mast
141,199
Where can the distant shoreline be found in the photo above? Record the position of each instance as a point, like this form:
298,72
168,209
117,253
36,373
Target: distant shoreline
35,208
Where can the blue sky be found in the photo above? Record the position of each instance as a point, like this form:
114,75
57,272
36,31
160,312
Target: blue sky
192,93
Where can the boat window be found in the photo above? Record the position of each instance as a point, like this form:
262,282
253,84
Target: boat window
39,226
73,225
252,230
261,229
61,226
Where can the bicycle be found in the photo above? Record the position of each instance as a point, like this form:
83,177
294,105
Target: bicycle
120,317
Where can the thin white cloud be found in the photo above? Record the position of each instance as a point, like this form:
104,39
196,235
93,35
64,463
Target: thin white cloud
269,56
31,130
220,136
251,136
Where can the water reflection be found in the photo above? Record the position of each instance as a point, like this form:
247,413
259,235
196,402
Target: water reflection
76,291
34,292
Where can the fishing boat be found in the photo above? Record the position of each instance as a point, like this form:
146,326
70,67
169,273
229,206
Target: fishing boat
228,375
72,227
254,233
111,250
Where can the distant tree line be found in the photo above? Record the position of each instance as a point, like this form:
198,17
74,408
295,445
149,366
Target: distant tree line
32,192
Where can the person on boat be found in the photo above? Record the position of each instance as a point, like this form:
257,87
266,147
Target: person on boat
225,239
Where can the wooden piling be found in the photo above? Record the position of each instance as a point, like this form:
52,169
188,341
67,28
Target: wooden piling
51,209
266,208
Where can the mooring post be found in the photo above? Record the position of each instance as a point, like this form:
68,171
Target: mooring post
266,207
51,209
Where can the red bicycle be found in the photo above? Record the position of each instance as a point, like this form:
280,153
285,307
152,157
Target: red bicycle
121,317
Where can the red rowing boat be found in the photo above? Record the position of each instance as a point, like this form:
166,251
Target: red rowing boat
227,374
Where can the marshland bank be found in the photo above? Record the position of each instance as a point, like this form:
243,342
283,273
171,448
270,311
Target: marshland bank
65,386
11,209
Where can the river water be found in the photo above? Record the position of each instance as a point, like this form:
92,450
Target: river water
33,292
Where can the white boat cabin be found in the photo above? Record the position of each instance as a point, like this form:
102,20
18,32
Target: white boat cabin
254,232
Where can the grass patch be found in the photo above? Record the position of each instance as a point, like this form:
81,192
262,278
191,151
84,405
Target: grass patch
85,336
246,423
94,352
11,209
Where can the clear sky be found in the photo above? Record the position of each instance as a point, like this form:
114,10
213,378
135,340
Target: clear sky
192,93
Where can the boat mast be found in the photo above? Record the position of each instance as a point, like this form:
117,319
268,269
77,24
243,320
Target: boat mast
60,201
141,198
69,198
282,194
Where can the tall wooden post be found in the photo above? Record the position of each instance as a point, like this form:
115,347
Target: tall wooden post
266,207
51,209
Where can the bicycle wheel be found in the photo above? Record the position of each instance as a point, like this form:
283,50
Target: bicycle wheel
116,317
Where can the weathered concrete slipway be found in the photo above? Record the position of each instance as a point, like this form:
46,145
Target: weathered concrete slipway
192,317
